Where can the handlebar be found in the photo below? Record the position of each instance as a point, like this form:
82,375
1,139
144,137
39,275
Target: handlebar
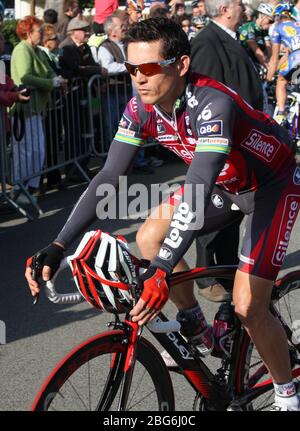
61,298
157,325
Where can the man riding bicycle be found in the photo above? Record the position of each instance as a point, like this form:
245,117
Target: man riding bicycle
287,33
238,156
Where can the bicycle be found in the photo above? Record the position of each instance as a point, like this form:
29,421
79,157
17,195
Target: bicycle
121,370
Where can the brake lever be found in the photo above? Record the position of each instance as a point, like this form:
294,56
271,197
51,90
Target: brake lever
36,299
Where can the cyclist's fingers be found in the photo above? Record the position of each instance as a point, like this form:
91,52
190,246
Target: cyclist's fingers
148,316
46,273
33,285
138,308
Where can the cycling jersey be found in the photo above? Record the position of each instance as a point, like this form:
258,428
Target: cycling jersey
252,32
288,33
232,149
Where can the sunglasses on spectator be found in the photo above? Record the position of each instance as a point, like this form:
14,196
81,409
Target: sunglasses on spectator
148,69
53,38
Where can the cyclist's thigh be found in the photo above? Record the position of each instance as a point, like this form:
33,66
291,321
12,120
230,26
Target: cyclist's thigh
269,226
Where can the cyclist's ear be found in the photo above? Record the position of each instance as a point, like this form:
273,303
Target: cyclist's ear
183,65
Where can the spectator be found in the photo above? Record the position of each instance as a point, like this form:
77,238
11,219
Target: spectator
134,9
296,10
76,58
50,16
186,23
70,10
29,68
228,62
2,10
10,94
103,9
3,55
249,12
53,120
76,61
111,56
159,10
177,8
50,47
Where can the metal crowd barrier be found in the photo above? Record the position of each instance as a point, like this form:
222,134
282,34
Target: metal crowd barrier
5,192
78,123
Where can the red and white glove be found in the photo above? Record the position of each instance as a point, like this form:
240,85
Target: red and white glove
155,288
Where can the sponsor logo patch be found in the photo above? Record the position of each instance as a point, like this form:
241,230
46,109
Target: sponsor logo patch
167,138
133,104
211,128
213,141
125,123
218,201
206,114
263,146
289,215
296,178
126,132
160,128
165,253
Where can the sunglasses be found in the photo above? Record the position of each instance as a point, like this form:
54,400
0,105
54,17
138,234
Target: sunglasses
148,69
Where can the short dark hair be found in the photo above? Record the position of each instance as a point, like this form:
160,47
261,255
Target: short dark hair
50,16
175,40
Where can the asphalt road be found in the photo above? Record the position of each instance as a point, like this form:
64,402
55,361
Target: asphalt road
39,336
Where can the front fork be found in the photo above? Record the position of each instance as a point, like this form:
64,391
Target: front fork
135,332
121,367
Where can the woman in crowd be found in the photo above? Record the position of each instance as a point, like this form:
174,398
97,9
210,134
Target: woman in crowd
30,69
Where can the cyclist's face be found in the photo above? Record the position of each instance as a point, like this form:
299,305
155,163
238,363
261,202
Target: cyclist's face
162,88
266,22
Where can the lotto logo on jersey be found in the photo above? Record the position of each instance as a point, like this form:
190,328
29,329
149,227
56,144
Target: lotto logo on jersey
211,128
291,208
263,146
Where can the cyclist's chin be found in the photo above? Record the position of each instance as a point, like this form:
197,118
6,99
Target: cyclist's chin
148,98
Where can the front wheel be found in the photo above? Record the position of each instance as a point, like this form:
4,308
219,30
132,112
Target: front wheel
85,380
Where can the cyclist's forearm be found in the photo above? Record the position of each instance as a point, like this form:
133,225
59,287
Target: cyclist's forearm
84,213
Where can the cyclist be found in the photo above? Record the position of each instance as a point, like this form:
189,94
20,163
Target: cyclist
255,37
241,157
286,32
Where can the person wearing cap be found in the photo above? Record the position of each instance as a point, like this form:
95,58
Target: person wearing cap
76,57
76,61
254,35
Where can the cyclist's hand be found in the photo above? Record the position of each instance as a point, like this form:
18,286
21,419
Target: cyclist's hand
42,266
154,296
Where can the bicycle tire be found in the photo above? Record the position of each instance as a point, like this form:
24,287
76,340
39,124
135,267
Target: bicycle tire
251,372
65,389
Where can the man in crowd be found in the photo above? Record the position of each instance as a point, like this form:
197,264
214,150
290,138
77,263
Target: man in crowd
76,60
227,62
111,56
70,10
